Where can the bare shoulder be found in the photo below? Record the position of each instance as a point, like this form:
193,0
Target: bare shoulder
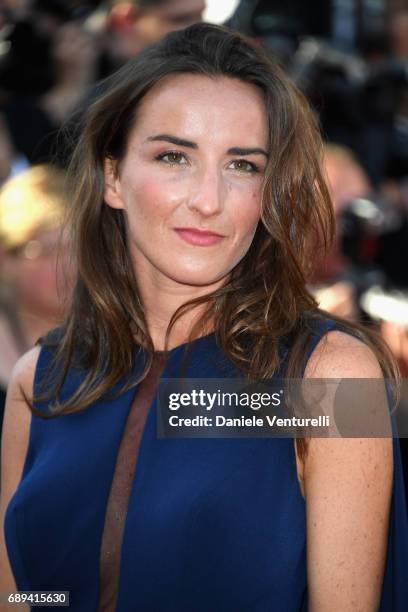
15,440
21,385
348,486
341,355
24,370
17,419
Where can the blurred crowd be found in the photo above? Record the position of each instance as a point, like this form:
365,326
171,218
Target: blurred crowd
349,57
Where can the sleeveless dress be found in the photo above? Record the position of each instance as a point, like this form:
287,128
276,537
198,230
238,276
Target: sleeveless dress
212,525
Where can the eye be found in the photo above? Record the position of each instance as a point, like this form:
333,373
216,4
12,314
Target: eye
245,166
173,158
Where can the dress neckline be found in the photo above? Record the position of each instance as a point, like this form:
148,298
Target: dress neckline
184,344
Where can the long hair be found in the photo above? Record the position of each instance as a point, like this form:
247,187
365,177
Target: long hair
265,297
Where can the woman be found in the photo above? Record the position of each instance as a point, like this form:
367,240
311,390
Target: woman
196,199
31,211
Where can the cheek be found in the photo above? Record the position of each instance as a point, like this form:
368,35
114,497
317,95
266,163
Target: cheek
256,201
150,199
248,212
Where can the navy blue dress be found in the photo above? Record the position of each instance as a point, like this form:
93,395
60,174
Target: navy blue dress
213,525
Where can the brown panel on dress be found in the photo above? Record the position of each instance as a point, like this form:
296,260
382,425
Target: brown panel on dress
121,486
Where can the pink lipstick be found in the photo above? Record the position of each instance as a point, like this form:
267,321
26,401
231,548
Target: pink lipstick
198,237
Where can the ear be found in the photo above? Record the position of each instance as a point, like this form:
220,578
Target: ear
112,192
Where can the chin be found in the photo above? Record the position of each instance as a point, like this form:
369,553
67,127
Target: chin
198,277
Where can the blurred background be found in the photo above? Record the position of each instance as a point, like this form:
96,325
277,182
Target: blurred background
349,57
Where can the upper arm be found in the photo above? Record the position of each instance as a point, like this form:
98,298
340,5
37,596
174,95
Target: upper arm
348,484
16,427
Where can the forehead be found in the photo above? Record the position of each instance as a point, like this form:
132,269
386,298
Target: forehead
201,106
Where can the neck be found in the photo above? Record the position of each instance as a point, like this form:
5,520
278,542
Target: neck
161,300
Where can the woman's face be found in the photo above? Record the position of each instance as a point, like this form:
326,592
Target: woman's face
190,181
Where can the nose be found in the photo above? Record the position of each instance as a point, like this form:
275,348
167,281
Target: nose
207,195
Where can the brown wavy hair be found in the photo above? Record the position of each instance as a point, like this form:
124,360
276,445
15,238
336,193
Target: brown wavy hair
265,298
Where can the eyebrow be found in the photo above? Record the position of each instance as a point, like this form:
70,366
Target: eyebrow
193,145
249,151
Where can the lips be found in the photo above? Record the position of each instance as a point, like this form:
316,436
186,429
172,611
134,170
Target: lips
198,237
